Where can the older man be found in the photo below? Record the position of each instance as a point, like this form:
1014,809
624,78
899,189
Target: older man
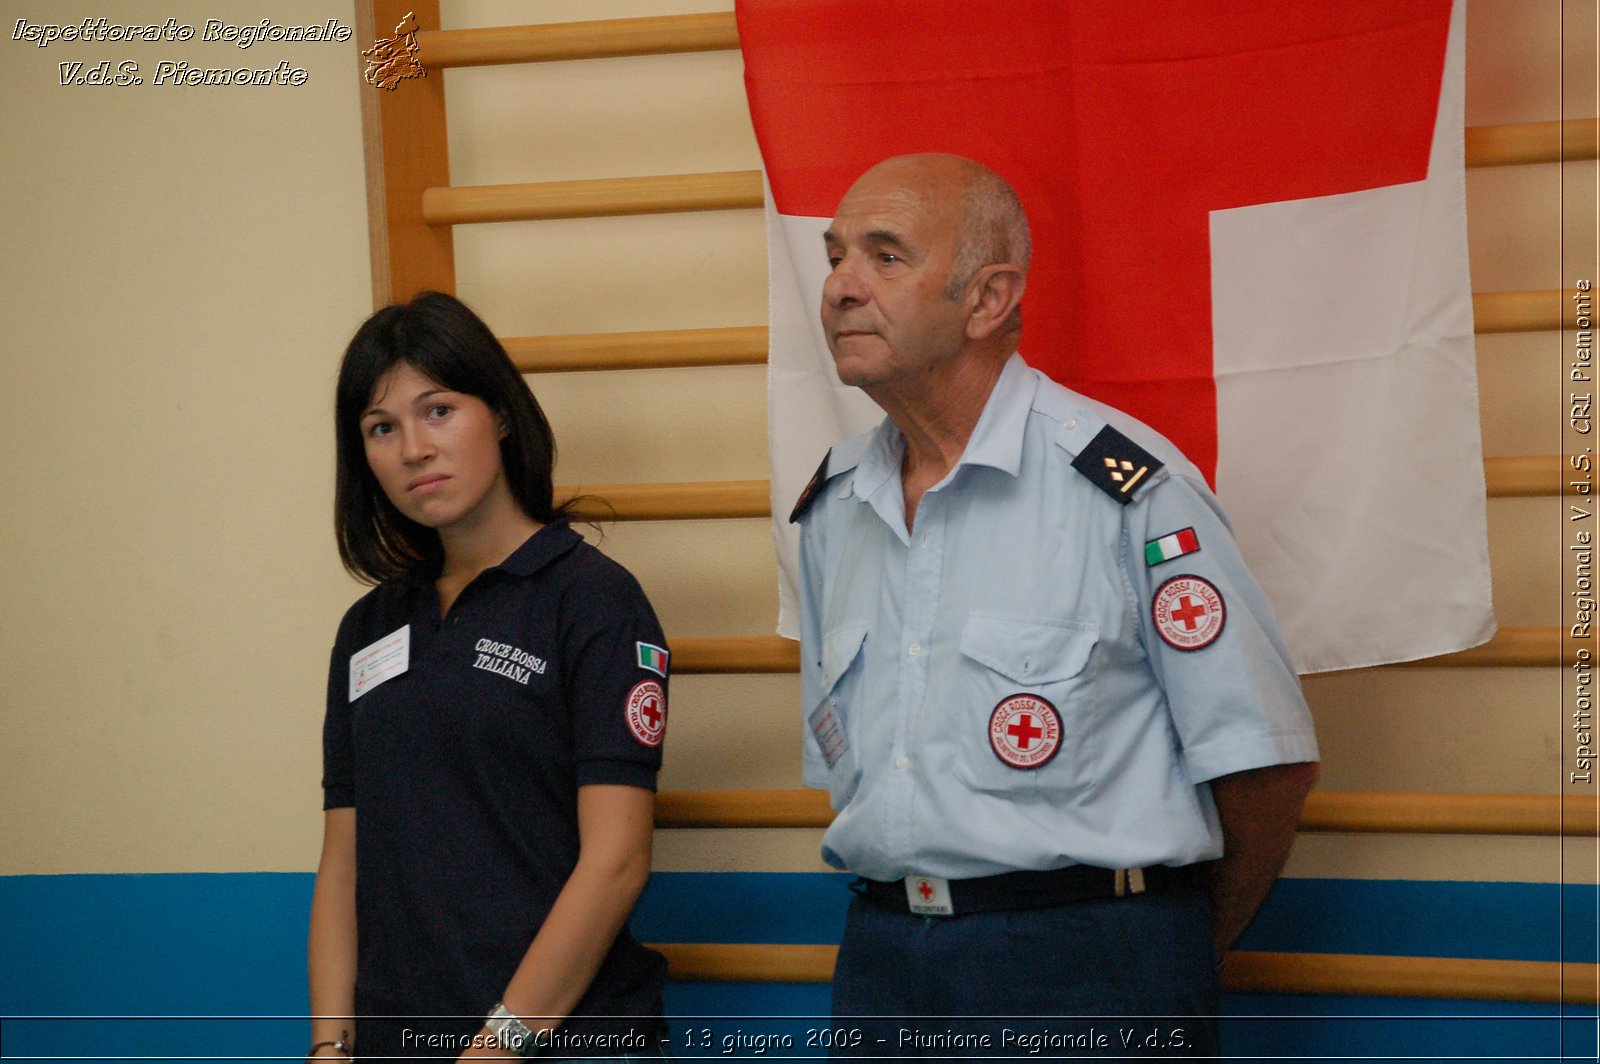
1064,741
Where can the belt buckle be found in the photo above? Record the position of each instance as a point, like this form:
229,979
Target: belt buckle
928,896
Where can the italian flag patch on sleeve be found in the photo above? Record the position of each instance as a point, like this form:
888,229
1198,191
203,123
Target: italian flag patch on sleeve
653,658
1168,547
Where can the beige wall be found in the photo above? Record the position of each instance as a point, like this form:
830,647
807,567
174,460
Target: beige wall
183,267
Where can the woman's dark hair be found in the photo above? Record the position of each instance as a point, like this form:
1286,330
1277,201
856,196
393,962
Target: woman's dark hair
441,338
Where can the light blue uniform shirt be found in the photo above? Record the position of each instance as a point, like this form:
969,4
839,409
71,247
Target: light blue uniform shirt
1022,577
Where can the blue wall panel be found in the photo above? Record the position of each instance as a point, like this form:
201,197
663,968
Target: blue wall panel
151,953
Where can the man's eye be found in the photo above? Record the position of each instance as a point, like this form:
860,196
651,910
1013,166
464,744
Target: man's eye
888,257
834,260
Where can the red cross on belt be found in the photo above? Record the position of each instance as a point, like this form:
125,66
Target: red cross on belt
925,890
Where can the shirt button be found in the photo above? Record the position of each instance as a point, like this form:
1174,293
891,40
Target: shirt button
1072,423
915,648
902,761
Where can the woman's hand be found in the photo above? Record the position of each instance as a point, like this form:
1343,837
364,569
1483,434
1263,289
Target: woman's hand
615,823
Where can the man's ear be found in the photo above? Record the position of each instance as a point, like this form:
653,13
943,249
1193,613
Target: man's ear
995,293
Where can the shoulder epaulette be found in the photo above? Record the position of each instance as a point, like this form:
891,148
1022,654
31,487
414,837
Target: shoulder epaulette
812,490
1115,464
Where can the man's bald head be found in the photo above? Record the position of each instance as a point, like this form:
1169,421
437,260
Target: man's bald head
988,222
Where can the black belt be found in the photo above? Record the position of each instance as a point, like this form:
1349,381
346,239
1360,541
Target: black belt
1039,890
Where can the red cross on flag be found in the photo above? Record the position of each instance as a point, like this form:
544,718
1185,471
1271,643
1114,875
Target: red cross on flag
1249,232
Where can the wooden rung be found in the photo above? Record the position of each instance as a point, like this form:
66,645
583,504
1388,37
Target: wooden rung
669,502
746,345
1399,813
555,41
743,809
741,189
1246,972
1522,476
735,654
1512,477
1503,312
1431,977
1533,142
602,198
1358,812
663,349
748,962
1510,648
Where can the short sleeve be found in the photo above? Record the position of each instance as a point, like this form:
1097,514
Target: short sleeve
615,678
1208,628
338,744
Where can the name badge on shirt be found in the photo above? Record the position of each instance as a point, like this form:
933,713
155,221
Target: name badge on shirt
829,732
383,660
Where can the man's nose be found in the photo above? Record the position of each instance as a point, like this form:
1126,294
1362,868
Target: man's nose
843,287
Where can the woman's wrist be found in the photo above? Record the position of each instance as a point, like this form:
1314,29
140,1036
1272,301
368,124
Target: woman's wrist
333,1047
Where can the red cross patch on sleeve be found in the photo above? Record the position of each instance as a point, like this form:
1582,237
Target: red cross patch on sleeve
1189,612
647,712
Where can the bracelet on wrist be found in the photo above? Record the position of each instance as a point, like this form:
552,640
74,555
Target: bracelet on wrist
508,1029
342,1044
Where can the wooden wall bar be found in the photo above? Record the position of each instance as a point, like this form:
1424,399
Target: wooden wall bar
662,349
1510,648
1246,972
1505,477
604,39
596,198
1340,812
1536,142
1493,312
407,150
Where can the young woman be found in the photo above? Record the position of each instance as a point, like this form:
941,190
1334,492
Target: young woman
496,707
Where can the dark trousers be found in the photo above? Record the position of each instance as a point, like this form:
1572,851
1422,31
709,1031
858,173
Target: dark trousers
1121,977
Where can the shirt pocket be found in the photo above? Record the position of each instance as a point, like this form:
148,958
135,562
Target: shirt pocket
842,652
1027,703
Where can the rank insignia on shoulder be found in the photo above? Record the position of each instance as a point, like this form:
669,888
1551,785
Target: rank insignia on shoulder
1115,464
812,490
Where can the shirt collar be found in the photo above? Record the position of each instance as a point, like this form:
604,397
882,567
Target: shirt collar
996,442
997,438
538,550
541,548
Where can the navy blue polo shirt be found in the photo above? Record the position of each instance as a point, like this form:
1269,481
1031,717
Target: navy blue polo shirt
547,674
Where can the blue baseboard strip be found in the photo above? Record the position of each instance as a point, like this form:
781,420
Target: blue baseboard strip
162,949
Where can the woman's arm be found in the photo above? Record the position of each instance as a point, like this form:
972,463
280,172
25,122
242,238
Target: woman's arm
614,832
331,949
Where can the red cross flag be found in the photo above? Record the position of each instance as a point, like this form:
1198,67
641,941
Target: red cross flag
1249,232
